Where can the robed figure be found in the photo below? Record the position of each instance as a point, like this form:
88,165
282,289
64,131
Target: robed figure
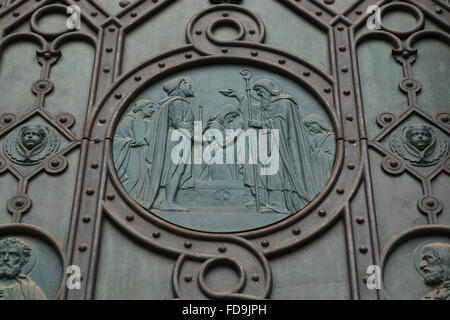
166,175
294,185
322,141
131,147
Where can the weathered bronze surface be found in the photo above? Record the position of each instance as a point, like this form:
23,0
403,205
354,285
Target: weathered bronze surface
86,121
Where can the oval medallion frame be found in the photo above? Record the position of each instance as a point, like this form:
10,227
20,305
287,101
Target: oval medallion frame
17,229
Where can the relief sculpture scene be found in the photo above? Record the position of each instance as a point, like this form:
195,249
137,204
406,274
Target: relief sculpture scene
247,151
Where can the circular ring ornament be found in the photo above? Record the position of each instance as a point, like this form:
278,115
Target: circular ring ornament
56,165
391,7
42,86
19,204
392,165
386,119
221,261
200,29
7,119
65,119
38,14
429,205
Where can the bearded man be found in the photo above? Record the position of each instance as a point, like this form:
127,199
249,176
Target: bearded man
14,285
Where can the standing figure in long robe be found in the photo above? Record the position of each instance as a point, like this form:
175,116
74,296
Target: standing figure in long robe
322,141
130,149
166,175
294,185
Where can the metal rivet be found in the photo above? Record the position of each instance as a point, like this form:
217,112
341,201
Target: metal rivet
225,14
188,278
130,217
282,61
252,31
94,166
349,118
430,203
56,163
360,220
161,64
224,50
322,213
86,219
198,32
188,55
327,90
352,140
109,49
97,140
438,11
296,231
90,192
102,120
265,243
112,29
83,247
110,196
94,14
138,78
405,54
344,69
222,249
255,277
318,13
306,73
16,14
340,28
387,118
340,190
328,1
393,163
19,203
188,244
133,14
358,12
254,53
346,92
156,234
363,249
445,119
351,166
7,119
118,96
106,69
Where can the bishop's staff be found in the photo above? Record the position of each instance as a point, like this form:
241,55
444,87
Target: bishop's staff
247,74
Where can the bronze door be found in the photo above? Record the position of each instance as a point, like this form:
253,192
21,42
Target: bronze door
200,149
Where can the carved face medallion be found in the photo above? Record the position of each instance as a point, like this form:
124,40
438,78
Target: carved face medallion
419,136
32,136
421,144
30,144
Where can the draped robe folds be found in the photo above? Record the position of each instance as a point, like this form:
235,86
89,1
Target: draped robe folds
130,151
23,289
295,176
322,146
161,146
